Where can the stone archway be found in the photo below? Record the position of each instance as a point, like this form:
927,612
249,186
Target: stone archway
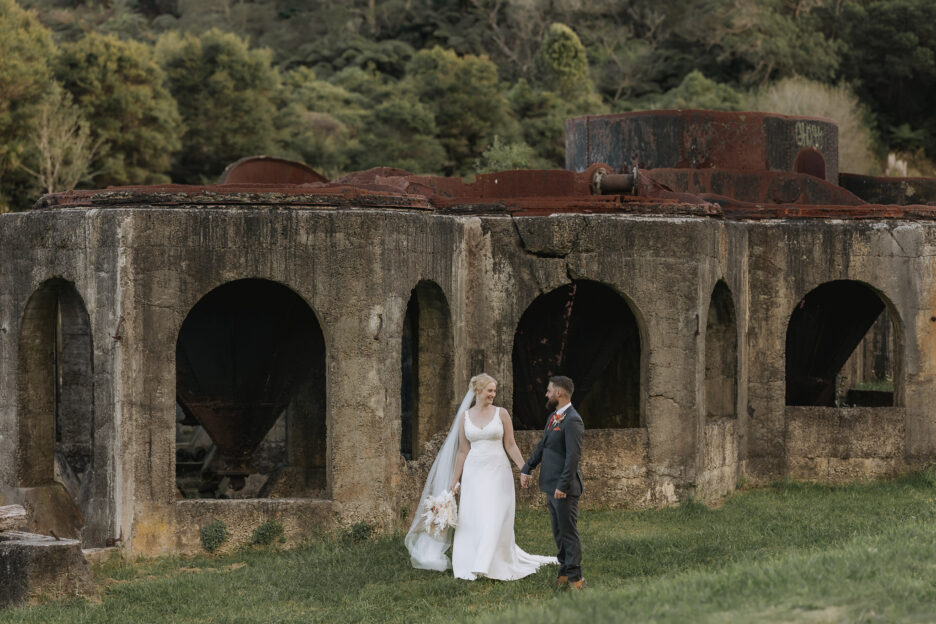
721,355
828,329
426,368
250,392
57,467
587,331
718,454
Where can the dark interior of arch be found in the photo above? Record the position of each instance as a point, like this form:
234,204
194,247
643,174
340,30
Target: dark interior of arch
810,162
426,368
585,331
74,396
721,355
824,331
250,393
409,387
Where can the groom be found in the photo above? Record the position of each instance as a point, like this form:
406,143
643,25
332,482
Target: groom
560,450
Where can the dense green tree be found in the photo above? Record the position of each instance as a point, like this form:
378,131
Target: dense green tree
26,51
120,89
542,116
226,95
503,156
561,63
563,89
762,40
359,119
467,101
318,122
401,133
70,20
697,91
394,128
646,47
891,60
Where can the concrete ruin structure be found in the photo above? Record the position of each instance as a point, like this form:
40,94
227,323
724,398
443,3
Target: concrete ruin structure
730,305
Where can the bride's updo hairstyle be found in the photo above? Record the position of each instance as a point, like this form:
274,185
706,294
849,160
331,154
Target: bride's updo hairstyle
479,382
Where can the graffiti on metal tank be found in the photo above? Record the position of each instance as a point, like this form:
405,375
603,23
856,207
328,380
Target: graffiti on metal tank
807,134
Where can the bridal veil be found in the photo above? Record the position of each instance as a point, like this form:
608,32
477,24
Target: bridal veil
427,551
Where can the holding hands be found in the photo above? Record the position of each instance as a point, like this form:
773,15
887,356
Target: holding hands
525,480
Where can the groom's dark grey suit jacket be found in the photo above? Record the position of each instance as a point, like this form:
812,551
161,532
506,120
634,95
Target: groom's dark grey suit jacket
559,451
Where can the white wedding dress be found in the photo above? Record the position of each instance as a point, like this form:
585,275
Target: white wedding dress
484,538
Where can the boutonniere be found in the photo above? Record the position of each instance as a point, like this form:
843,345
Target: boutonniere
556,428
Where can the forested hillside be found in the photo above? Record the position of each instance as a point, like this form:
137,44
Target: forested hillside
96,93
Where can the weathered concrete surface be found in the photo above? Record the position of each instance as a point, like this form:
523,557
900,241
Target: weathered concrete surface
50,510
300,518
32,565
614,467
12,517
787,260
719,473
140,269
837,445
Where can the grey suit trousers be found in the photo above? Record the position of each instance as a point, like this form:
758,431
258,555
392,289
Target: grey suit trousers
564,515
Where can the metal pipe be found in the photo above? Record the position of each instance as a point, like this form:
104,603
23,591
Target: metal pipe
606,183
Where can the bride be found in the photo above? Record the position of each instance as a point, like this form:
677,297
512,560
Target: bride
476,454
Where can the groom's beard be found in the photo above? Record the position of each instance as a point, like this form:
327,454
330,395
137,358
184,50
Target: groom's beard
551,405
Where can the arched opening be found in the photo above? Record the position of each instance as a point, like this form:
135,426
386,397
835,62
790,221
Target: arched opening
810,162
586,331
250,393
56,413
721,355
426,368
834,331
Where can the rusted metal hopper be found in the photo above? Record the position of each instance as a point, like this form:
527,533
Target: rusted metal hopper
241,354
269,170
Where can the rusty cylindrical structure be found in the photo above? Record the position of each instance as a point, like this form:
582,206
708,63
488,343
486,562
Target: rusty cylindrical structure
698,139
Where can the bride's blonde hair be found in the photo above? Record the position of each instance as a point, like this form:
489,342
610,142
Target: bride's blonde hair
479,382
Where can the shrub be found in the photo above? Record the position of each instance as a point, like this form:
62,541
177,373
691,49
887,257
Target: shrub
359,532
213,535
267,532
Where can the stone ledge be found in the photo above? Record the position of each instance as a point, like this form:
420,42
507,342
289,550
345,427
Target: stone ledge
33,565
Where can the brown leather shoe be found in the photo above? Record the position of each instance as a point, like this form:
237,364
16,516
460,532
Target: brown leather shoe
562,582
579,584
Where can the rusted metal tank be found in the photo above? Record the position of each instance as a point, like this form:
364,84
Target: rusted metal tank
698,139
241,354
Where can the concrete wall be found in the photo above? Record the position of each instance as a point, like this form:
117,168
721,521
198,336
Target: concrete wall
140,270
838,445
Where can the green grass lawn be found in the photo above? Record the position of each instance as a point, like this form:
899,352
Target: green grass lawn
787,553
